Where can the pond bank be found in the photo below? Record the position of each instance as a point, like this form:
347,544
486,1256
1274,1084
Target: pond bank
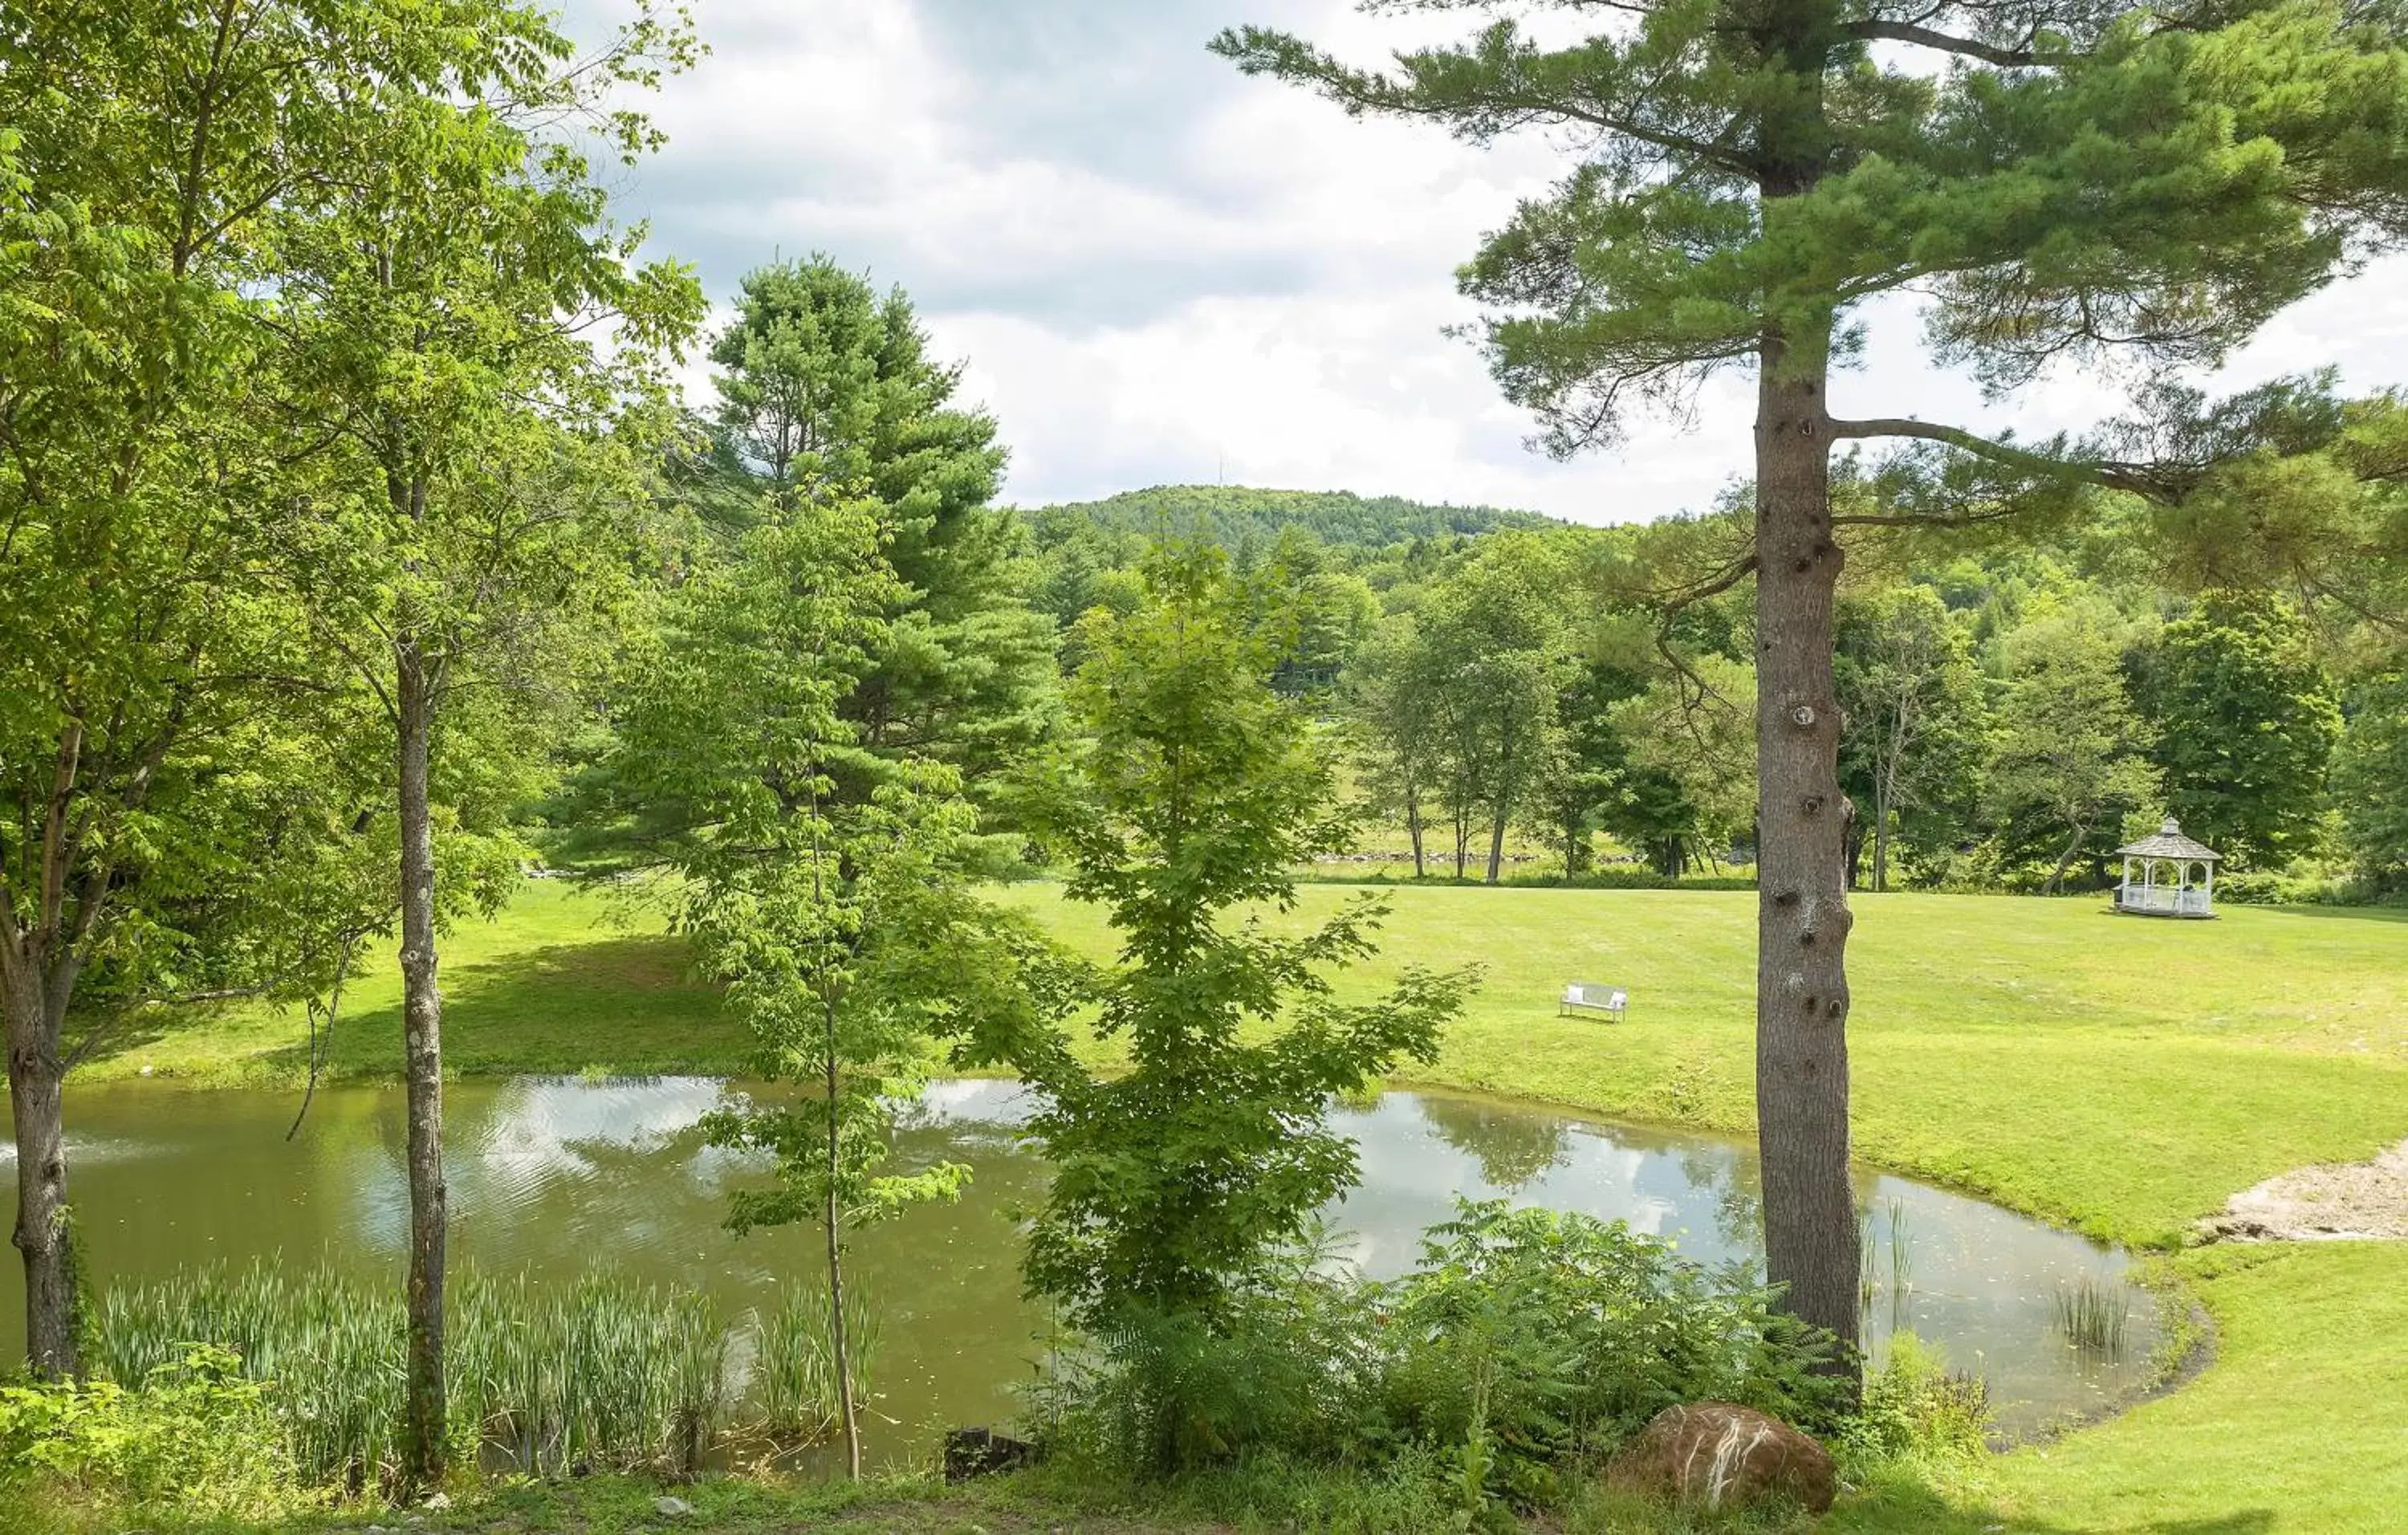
562,1177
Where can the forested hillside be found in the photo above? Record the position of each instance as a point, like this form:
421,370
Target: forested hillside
1232,515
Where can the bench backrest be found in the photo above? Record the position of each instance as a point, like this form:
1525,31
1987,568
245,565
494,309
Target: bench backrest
1596,997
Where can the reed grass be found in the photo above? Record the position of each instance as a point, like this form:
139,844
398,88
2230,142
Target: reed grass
2091,1316
794,1387
600,1373
1897,1239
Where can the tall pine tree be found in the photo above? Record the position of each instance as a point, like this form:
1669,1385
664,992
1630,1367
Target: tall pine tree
2070,185
827,387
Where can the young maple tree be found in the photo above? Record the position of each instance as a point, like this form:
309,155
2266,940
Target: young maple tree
1182,817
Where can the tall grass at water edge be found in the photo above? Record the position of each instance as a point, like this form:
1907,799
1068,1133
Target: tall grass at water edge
794,1382
598,1373
2091,1316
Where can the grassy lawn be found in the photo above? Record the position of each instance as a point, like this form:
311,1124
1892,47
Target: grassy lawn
2116,1074
562,981
2295,1427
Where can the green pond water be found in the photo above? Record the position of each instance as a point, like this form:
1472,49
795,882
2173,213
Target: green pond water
562,1175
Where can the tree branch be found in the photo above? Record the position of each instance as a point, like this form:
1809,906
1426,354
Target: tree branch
2151,482
1922,37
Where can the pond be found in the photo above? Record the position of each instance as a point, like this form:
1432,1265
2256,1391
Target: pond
566,1174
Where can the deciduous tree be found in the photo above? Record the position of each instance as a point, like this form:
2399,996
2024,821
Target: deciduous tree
2245,722
440,305
146,150
1913,701
2070,757
838,924
1198,792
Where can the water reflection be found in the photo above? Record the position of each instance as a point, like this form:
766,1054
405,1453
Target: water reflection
567,1175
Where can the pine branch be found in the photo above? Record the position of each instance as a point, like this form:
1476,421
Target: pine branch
2158,484
1971,47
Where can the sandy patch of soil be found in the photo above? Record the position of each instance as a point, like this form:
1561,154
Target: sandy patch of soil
2354,1199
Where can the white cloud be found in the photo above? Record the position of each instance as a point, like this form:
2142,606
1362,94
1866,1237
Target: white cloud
1159,270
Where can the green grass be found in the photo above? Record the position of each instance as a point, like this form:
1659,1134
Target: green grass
563,981
2116,1074
2295,1427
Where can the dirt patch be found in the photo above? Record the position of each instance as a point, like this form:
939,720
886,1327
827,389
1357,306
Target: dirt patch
2356,1199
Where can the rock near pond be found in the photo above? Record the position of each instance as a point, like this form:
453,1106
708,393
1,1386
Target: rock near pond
1714,1454
982,1452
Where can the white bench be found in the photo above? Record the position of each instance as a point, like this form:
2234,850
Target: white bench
1587,996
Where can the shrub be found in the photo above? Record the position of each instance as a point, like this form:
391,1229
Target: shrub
1288,1365
1560,1335
1526,1343
194,1433
1915,1409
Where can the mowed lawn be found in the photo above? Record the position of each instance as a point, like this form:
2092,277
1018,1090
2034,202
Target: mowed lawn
2117,1074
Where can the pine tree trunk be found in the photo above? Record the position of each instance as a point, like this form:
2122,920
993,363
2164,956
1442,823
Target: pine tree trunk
1802,918
42,1235
423,1430
840,1343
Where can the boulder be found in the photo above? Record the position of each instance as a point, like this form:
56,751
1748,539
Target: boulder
982,1452
1714,1455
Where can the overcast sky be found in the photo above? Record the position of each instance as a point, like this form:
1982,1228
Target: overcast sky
1159,271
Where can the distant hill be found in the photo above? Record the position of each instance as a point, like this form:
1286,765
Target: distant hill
1236,515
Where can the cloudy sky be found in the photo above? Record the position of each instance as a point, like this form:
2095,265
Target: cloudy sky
1159,271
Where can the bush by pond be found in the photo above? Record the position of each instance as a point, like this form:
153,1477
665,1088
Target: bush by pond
1526,1346
194,1433
1522,1349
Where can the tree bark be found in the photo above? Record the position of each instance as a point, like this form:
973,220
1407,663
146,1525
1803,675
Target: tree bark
2056,886
841,1342
1413,825
424,1434
1881,834
1504,808
1802,917
42,1235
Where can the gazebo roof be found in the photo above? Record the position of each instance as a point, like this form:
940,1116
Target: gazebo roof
2170,842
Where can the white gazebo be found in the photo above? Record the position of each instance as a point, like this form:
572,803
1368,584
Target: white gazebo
2177,875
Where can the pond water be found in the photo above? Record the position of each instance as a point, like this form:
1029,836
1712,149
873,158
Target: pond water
564,1174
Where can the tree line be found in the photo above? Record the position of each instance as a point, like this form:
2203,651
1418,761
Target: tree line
2010,712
